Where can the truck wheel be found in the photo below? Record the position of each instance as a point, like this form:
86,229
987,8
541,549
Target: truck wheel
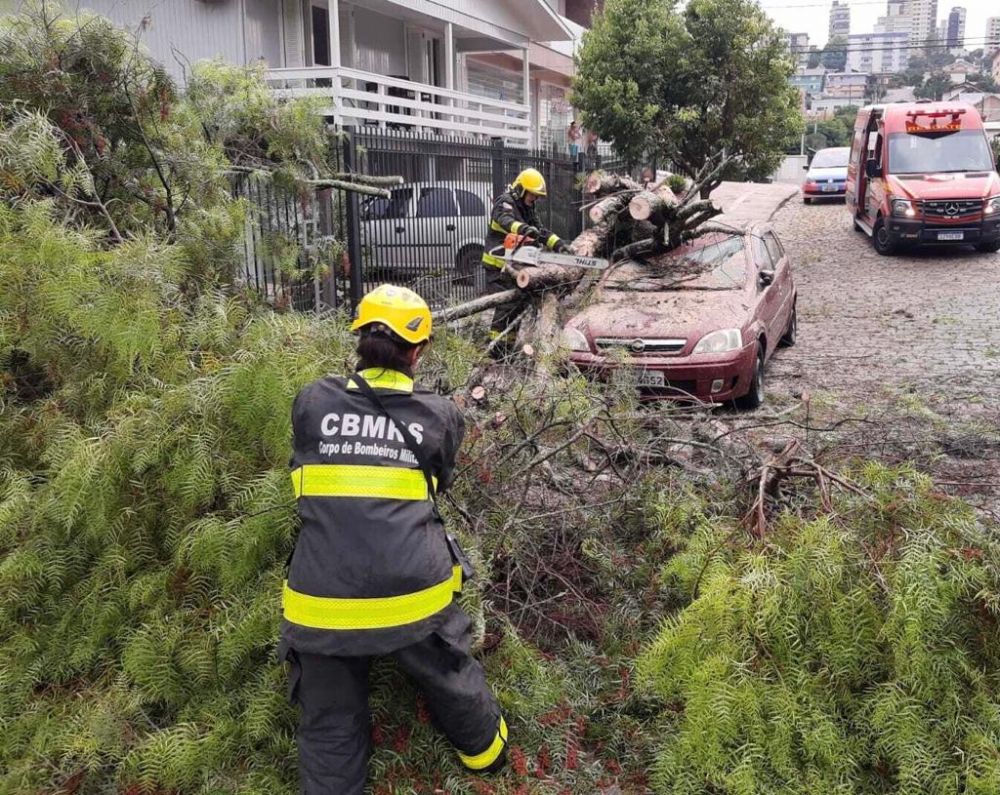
989,248
881,240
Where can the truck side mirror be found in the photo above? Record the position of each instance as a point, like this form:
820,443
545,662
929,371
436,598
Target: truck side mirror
872,169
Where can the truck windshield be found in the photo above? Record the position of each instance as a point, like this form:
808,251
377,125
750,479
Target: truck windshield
965,150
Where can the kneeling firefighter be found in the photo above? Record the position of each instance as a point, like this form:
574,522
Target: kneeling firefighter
514,212
373,571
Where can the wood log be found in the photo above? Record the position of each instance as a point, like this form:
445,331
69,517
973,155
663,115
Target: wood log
541,277
607,210
601,184
477,305
591,242
652,205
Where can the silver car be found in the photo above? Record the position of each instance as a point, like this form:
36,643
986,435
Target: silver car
427,228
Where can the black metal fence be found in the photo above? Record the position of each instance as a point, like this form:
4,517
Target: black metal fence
428,234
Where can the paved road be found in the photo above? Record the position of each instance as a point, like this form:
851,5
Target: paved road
929,319
911,342
742,202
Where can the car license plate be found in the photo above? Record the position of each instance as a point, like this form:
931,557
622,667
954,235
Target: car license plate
829,188
951,236
650,378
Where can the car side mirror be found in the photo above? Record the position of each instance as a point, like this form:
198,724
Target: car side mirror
765,278
872,169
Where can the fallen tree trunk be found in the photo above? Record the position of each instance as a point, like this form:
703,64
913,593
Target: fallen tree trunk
652,206
607,210
477,305
601,184
541,277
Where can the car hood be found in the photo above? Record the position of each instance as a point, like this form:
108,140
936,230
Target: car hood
688,314
837,173
971,185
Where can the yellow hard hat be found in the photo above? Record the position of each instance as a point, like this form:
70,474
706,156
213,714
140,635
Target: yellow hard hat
530,181
399,309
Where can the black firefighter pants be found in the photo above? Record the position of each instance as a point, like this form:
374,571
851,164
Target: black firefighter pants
334,734
497,281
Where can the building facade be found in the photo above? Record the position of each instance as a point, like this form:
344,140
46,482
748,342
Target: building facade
878,53
840,19
809,81
896,19
798,46
923,23
956,29
467,68
992,35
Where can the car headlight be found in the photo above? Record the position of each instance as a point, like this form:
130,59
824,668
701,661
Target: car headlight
903,207
574,339
992,205
729,339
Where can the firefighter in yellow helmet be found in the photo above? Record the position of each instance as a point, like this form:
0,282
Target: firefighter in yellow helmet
514,211
373,572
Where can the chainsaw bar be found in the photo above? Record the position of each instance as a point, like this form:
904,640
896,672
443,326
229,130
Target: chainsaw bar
536,256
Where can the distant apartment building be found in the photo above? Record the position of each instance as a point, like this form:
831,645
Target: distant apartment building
798,46
840,19
996,66
896,19
878,53
809,81
846,85
992,35
955,37
923,23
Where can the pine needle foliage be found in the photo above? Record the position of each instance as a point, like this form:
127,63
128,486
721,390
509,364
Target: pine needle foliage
856,655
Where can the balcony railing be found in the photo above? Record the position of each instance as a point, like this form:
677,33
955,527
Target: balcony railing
366,99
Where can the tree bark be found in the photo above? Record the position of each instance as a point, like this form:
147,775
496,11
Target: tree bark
540,277
607,210
477,305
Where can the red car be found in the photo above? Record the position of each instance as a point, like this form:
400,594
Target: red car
698,322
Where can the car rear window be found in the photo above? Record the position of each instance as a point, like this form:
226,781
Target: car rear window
718,265
831,158
393,207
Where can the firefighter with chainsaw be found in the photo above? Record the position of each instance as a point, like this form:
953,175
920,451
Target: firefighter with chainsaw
514,213
373,571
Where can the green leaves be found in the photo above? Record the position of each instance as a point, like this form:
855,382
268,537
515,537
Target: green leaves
843,657
683,85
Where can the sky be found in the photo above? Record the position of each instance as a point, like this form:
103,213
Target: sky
813,16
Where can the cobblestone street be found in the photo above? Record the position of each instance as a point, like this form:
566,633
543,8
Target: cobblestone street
906,348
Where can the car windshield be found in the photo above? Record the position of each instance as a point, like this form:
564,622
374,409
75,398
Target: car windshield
921,153
718,265
831,158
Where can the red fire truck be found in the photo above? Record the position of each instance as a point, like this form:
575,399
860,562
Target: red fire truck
923,174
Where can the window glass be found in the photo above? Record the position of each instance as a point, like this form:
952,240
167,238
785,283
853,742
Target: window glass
470,203
436,203
761,254
711,263
394,207
773,247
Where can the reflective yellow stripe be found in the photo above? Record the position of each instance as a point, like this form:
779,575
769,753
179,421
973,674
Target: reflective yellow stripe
349,480
492,261
515,226
496,227
551,242
383,378
380,612
491,754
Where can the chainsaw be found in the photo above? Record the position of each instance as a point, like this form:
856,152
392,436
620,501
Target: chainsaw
517,249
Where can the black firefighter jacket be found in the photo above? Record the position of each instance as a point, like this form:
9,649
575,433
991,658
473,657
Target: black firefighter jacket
511,214
371,571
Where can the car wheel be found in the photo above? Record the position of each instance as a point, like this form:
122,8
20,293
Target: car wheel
806,200
881,240
788,338
755,396
469,268
989,248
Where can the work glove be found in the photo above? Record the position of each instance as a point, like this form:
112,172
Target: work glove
562,247
529,231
